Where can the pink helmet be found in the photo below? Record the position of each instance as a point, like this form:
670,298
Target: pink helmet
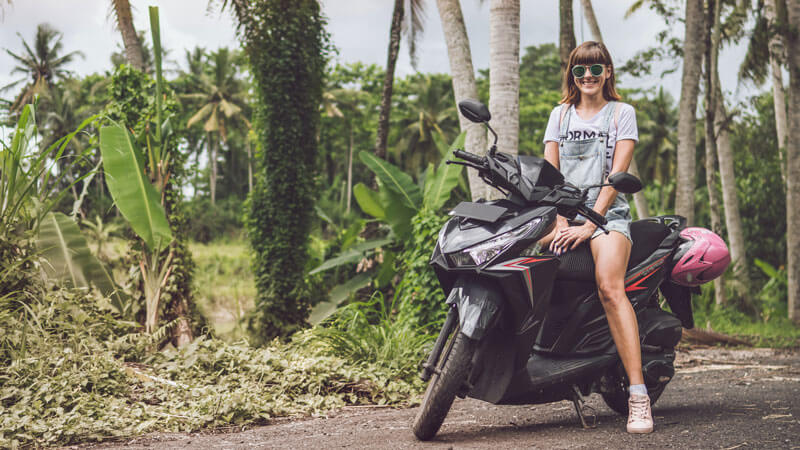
703,257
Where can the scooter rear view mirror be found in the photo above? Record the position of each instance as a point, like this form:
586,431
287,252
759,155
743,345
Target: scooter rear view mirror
474,111
625,182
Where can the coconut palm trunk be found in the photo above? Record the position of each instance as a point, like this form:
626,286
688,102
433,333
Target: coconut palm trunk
792,40
776,55
133,48
591,19
566,32
712,52
692,62
464,85
733,218
504,74
350,168
388,79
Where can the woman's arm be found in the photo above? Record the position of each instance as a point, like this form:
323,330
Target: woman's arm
551,156
623,153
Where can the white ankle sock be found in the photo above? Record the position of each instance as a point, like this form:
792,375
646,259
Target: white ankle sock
638,389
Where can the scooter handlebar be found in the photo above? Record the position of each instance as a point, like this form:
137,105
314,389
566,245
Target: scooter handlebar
471,157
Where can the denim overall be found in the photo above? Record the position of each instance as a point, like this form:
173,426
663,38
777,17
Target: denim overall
583,163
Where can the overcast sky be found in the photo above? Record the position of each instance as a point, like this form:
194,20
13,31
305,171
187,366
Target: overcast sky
359,29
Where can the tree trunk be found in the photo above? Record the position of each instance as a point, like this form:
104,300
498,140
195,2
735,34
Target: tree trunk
638,198
504,74
692,61
212,167
776,56
711,54
591,19
792,40
566,33
464,85
249,163
733,218
388,80
350,170
133,48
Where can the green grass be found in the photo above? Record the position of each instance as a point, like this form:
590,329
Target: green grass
778,332
223,284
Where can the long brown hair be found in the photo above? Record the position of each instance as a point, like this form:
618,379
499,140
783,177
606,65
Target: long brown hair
590,52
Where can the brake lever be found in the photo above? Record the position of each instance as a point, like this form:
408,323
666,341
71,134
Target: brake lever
463,163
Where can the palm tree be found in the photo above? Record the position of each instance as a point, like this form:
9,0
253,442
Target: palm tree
690,83
765,57
133,45
464,85
430,117
413,29
566,34
41,65
504,73
792,40
221,95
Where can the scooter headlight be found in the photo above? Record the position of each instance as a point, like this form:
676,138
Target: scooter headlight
485,251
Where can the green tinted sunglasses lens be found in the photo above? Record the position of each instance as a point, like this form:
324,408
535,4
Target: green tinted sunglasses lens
596,70
579,71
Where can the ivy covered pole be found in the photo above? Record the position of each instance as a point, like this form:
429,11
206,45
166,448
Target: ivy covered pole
286,43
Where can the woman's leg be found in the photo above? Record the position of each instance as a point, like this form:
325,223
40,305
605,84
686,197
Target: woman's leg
610,252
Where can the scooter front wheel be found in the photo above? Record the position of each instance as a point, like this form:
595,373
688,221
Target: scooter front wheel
451,373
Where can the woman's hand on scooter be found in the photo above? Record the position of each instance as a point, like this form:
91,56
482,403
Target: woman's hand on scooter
570,237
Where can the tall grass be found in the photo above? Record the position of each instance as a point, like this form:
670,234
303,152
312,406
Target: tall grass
371,333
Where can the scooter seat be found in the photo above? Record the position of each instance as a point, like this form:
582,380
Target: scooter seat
578,264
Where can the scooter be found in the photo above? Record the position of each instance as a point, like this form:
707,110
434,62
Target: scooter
525,326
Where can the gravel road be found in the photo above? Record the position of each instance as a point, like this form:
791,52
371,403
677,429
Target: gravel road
719,399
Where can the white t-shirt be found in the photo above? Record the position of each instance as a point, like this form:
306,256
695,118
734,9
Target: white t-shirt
580,129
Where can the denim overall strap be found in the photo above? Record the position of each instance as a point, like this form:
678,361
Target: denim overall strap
605,132
563,122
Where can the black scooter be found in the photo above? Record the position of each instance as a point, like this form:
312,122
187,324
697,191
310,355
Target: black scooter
525,326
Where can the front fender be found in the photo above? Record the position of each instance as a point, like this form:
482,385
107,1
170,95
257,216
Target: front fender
477,302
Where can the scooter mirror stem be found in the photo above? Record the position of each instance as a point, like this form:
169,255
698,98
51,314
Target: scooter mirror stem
494,146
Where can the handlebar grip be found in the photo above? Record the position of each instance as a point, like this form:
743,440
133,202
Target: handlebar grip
471,157
592,215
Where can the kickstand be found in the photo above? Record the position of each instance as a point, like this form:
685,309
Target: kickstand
580,405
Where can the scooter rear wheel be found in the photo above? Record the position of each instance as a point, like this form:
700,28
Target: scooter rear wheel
452,371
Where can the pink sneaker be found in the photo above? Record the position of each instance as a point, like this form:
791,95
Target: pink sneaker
640,419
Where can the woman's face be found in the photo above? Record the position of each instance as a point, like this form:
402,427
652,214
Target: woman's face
591,84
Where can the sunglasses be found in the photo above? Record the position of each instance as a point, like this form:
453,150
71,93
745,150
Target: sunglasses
595,70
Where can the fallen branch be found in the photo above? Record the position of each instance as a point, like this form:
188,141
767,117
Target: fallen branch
697,336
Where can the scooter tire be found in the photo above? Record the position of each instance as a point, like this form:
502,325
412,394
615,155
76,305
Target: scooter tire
453,368
617,400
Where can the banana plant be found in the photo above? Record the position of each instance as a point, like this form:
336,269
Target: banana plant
130,182
66,256
396,202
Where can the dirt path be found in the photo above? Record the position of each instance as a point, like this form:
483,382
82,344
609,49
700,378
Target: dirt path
719,399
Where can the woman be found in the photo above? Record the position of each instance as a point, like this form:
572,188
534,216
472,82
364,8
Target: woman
589,136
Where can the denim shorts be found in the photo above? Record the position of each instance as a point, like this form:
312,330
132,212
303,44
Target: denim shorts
618,217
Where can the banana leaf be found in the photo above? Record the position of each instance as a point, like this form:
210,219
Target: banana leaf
338,295
445,179
395,179
351,255
135,196
67,257
368,201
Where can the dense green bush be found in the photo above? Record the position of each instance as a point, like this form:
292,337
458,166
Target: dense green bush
419,293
